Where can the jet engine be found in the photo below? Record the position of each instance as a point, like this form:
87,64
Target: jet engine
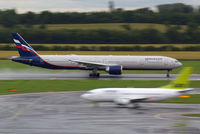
122,101
116,70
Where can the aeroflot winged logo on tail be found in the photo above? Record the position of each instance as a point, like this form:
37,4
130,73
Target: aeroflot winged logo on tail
25,50
22,46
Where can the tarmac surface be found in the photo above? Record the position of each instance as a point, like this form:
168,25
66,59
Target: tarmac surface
84,76
67,113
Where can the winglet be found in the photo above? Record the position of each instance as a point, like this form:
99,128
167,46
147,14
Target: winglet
182,81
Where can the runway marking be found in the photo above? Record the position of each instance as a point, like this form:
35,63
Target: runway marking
19,94
72,76
21,111
31,104
160,116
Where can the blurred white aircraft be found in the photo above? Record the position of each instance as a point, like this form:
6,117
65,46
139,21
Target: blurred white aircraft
125,96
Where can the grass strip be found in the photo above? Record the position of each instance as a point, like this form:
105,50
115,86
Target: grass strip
26,86
29,86
192,115
34,86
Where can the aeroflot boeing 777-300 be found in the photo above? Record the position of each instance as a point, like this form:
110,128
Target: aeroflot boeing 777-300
111,64
125,96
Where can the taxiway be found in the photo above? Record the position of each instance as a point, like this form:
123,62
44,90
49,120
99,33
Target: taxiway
67,113
84,76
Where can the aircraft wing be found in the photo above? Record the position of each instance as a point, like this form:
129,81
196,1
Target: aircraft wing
91,64
131,99
187,90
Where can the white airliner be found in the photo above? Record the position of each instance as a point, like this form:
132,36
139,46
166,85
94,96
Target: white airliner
111,64
125,96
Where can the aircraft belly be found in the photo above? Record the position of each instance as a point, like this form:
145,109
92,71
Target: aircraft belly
162,97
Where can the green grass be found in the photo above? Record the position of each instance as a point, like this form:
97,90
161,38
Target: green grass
8,65
31,86
192,115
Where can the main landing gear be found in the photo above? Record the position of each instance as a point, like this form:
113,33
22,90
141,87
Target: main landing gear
168,73
136,106
94,73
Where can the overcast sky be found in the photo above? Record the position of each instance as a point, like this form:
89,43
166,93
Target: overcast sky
83,5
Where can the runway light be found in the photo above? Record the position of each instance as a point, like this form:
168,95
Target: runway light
184,97
13,90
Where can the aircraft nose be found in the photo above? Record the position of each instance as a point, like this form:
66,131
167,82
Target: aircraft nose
84,96
178,64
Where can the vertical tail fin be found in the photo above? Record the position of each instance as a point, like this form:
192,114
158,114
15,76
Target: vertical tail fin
24,49
182,81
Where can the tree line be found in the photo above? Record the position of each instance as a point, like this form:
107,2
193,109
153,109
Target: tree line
107,48
178,14
173,34
168,14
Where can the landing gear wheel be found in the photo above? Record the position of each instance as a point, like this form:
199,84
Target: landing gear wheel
168,75
136,106
94,75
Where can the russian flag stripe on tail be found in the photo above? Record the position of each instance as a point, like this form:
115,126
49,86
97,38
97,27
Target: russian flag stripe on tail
25,50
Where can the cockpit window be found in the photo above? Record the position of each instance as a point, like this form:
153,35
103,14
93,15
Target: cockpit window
176,61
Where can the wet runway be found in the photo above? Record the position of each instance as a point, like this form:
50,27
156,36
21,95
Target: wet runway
67,113
84,76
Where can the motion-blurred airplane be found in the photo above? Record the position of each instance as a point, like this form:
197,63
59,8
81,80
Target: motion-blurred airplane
111,64
125,96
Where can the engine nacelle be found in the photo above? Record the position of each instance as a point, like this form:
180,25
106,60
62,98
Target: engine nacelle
116,70
122,101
